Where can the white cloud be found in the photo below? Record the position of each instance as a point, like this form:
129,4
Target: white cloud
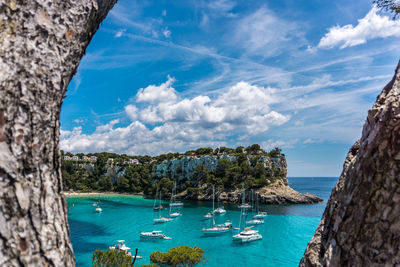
371,26
119,33
181,123
271,144
166,33
131,111
161,93
264,33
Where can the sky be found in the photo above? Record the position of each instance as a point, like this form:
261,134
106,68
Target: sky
170,76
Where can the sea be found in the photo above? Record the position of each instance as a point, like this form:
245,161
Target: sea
286,232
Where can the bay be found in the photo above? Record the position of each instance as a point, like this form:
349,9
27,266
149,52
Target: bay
286,232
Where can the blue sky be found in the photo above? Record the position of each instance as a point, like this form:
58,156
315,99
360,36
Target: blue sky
167,76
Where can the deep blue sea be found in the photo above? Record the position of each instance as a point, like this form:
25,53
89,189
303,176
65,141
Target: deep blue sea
286,231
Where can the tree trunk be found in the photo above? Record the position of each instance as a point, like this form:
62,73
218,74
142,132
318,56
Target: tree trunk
41,44
361,222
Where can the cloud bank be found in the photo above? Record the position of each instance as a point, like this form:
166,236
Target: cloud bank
371,26
161,120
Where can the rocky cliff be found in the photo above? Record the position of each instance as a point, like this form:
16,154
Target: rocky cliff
276,191
361,223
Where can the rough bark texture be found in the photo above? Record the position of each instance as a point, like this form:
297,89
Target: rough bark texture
361,223
41,44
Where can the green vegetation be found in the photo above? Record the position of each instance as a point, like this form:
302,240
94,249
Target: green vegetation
112,258
389,5
179,256
118,173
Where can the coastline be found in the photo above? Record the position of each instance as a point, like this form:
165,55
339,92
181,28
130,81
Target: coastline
87,194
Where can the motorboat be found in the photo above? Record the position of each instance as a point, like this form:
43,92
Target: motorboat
220,210
121,246
154,235
208,216
98,209
247,235
255,222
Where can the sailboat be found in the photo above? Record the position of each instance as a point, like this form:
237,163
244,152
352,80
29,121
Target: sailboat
217,229
260,214
173,204
161,219
220,210
254,221
158,207
244,205
248,234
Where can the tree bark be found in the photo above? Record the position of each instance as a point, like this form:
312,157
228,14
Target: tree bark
41,44
361,222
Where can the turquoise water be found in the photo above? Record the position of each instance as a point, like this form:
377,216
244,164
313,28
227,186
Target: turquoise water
284,236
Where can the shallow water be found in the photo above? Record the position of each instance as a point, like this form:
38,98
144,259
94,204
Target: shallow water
286,231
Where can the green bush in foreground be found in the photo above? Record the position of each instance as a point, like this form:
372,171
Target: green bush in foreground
112,258
179,256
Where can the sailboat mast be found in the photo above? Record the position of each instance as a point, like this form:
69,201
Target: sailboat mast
159,207
213,222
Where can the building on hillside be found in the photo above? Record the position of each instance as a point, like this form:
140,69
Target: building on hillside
67,158
85,158
93,158
75,158
133,161
110,160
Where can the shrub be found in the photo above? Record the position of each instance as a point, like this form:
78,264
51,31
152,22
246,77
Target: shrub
179,256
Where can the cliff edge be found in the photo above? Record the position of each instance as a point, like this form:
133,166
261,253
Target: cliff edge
361,223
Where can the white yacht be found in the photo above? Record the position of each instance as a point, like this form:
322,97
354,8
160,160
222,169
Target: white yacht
220,210
154,235
98,209
217,229
121,246
247,235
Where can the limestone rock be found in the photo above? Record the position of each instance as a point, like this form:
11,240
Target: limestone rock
361,223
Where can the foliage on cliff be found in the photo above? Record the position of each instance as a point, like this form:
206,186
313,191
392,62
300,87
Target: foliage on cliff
117,175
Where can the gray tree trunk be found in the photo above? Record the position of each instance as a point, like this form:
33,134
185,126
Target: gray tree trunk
41,44
361,222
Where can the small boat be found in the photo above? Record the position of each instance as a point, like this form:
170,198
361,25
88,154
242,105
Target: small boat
260,215
225,224
175,214
94,204
121,246
208,216
173,202
162,220
220,210
244,205
255,222
247,235
98,209
154,235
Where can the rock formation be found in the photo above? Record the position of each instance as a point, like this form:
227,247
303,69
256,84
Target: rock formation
277,192
361,223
